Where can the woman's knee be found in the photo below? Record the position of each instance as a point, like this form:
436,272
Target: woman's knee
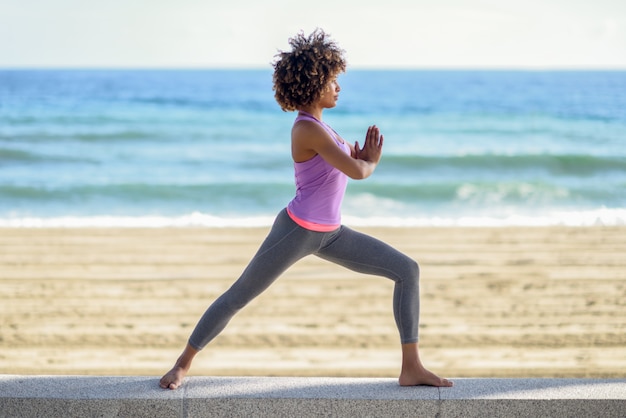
408,270
414,269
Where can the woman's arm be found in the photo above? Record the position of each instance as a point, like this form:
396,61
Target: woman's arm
309,139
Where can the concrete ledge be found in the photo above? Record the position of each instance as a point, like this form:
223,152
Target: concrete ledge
109,396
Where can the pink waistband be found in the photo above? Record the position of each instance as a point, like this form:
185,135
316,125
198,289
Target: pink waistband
312,226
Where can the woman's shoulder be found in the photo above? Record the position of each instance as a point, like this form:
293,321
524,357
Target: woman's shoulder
309,127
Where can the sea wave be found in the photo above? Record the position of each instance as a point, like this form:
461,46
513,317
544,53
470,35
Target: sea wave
16,156
564,164
251,198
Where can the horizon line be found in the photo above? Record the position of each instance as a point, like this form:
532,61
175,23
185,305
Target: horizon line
269,68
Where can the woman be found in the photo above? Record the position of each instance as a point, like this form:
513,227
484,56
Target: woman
305,79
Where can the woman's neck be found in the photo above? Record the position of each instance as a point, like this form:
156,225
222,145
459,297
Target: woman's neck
313,111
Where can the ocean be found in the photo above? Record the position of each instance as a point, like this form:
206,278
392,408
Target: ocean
158,148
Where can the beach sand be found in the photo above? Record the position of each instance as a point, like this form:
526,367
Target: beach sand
505,302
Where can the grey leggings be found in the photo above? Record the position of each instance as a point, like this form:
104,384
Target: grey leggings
287,243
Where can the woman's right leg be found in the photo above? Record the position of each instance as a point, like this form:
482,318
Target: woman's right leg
285,244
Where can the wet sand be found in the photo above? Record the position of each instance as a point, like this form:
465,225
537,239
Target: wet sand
505,302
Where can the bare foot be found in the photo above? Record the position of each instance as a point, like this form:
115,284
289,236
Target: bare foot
173,379
420,376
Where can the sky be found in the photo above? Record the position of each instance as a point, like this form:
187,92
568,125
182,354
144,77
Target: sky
525,34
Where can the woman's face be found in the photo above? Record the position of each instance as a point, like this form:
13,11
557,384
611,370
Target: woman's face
330,95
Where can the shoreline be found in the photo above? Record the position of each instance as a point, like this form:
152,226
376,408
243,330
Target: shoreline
496,302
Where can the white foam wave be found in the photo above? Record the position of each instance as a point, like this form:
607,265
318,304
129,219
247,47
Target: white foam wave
192,220
599,217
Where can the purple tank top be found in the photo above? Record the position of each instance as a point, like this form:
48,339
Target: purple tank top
320,187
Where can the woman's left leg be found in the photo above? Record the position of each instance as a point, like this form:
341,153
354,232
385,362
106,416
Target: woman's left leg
365,254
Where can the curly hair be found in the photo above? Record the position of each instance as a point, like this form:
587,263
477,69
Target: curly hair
302,74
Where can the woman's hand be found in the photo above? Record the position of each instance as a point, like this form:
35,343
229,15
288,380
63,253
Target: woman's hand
373,147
